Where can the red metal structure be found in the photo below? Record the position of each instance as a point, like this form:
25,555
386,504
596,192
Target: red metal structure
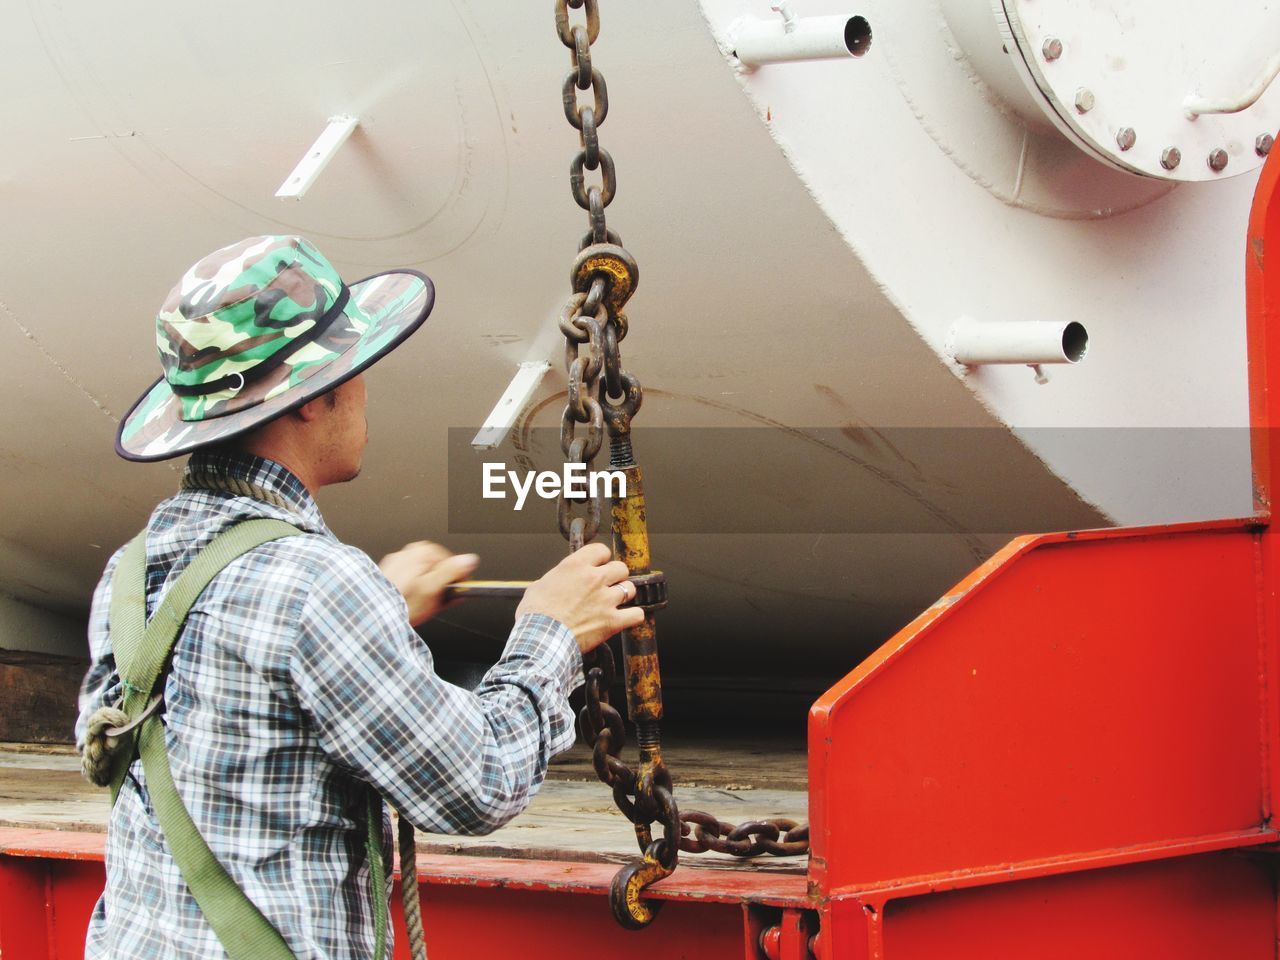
1072,753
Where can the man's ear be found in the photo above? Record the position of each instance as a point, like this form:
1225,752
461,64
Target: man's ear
312,409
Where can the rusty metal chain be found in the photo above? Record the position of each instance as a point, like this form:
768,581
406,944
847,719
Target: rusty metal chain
604,397
582,321
701,832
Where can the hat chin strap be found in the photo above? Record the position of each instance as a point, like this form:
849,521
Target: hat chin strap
238,380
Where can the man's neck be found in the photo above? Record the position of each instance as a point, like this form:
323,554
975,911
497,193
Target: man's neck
242,473
285,454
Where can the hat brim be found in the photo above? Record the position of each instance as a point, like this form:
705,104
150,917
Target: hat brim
383,310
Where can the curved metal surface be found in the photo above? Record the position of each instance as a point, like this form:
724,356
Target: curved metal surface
139,155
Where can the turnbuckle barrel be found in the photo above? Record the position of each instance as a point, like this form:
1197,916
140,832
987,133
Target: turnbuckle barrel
644,699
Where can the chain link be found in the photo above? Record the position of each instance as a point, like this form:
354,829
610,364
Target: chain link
701,832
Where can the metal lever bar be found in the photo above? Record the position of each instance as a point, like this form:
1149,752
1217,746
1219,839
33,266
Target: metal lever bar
651,590
514,589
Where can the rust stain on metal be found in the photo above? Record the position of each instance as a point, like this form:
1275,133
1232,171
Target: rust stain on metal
863,434
644,682
630,525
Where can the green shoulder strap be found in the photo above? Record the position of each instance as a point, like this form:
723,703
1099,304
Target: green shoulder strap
141,650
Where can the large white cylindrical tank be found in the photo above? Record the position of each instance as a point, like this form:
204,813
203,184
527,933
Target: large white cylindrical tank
818,468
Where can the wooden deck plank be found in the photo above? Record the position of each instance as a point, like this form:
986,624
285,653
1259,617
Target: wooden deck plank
572,818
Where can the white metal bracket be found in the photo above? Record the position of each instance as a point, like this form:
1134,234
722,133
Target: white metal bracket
317,158
511,404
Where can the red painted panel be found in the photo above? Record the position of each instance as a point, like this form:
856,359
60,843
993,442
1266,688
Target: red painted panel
1262,299
52,844
75,886
23,930
1074,695
45,906
473,907
469,923
1262,304
850,931
1218,906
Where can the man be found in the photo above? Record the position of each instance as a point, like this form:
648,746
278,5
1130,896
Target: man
297,681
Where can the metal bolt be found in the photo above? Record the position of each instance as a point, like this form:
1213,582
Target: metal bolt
1170,158
1084,100
1262,146
1052,49
1126,137
1218,160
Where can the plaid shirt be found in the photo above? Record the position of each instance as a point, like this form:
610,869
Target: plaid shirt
296,682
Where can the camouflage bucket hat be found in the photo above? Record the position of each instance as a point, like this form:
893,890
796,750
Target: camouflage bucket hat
256,329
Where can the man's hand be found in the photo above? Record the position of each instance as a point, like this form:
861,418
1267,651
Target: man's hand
583,591
421,571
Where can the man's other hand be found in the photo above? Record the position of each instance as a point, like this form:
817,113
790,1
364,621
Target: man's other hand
583,592
421,571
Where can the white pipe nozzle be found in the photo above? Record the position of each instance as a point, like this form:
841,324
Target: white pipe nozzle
801,38
974,342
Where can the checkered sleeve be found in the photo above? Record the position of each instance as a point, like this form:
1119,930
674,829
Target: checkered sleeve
450,760
100,685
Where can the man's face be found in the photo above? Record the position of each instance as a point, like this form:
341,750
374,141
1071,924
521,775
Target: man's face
346,431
